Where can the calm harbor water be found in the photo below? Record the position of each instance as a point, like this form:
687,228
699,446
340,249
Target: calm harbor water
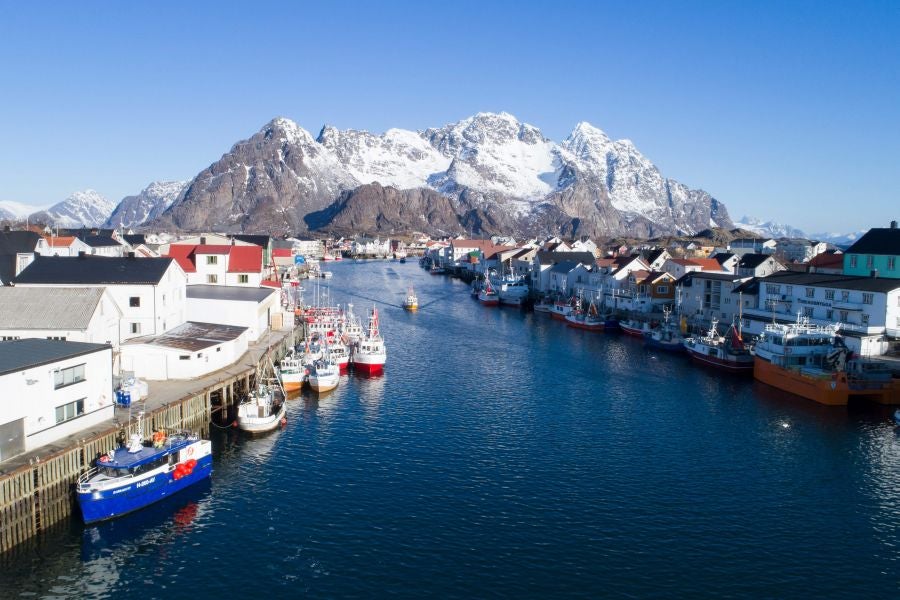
503,454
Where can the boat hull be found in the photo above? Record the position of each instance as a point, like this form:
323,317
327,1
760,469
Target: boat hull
720,363
633,331
262,424
585,325
832,390
370,368
109,504
323,384
665,345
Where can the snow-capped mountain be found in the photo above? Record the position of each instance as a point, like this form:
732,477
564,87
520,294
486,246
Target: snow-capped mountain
397,158
768,228
152,201
14,210
268,182
838,239
500,175
82,209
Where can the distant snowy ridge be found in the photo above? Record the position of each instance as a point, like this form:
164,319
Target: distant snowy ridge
10,209
768,228
86,208
152,201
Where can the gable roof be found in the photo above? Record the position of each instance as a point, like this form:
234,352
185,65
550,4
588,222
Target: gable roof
245,259
94,270
48,308
99,241
212,248
134,239
565,266
16,355
61,241
751,261
229,292
846,282
827,260
879,240
722,257
708,264
548,258
259,240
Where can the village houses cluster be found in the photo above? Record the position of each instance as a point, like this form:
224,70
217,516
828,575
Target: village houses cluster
82,311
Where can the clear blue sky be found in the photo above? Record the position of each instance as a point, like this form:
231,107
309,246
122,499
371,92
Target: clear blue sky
783,110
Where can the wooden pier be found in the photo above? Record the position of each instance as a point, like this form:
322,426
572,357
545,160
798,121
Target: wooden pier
37,488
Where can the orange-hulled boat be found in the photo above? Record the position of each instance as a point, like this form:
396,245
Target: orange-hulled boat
812,361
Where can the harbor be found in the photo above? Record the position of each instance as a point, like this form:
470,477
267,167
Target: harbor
534,458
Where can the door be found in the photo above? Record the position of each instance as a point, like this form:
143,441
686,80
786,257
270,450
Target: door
12,439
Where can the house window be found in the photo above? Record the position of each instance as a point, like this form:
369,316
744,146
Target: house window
845,316
7,338
68,376
829,314
891,262
212,260
810,292
134,302
864,318
243,279
184,357
808,311
135,328
212,279
852,261
773,289
829,294
69,411
870,260
868,298
58,338
789,290
845,296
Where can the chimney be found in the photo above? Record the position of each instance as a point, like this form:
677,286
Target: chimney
81,254
130,255
874,273
202,240
6,228
893,224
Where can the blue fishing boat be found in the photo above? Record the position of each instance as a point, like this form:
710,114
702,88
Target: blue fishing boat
141,473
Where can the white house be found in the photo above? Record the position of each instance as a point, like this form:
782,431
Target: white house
252,308
868,308
704,296
544,262
51,389
149,292
67,245
75,314
188,351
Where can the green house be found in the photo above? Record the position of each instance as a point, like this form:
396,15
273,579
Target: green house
875,254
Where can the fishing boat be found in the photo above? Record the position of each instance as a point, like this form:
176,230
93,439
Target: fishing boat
262,411
667,336
436,269
813,362
513,291
562,308
351,329
634,327
723,352
588,319
488,296
340,353
142,472
324,374
412,301
291,372
369,355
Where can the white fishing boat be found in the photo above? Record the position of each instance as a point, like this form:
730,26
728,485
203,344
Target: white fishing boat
412,301
291,372
262,411
324,373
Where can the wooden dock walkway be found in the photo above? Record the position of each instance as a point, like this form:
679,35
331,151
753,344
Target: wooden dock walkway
37,488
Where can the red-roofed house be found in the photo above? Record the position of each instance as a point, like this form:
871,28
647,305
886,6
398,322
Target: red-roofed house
67,245
678,267
220,264
828,262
